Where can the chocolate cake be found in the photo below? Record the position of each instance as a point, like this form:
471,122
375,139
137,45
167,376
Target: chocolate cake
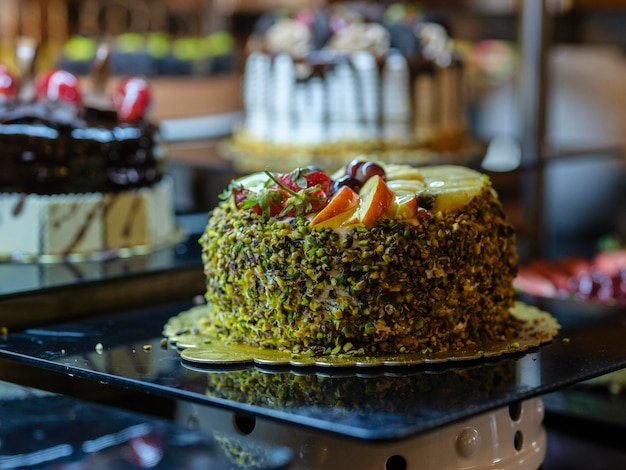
81,174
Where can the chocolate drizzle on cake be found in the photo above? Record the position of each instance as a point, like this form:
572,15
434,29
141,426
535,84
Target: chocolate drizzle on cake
130,217
19,207
83,229
56,146
74,155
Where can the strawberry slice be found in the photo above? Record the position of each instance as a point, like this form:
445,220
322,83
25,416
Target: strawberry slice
58,85
303,178
321,178
270,202
300,192
8,85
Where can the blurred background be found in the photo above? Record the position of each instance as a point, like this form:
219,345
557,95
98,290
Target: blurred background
546,83
194,52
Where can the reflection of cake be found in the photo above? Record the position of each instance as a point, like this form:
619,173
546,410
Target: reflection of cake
375,395
318,85
398,259
79,176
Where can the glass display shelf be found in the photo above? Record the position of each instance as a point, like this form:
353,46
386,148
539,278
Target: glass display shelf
21,278
50,431
382,403
36,293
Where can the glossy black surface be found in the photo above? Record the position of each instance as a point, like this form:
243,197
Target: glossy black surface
382,403
49,431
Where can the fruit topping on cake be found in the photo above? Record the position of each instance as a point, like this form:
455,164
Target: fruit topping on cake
8,85
343,203
363,192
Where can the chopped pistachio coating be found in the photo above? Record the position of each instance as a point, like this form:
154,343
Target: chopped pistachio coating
437,282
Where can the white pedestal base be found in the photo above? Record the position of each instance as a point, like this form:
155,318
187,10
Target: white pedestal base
511,438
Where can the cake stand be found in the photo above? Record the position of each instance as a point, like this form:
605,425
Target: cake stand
510,437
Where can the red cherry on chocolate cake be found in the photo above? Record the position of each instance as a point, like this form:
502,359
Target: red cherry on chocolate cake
131,99
58,85
8,86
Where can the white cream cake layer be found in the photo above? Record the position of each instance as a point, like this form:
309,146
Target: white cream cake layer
86,225
355,99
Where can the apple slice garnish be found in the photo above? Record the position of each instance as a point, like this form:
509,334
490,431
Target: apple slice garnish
343,201
403,206
341,220
375,200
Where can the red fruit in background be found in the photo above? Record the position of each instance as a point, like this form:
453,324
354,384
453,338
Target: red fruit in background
8,85
58,85
306,17
131,98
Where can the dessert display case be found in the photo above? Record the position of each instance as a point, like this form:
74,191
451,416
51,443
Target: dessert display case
36,293
100,322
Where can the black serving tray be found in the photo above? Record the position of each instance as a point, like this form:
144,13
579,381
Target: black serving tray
384,403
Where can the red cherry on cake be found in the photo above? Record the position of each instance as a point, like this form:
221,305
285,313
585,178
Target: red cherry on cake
362,170
369,170
346,180
8,85
353,166
58,85
131,99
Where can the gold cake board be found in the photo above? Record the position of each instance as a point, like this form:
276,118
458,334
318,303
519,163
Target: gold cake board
183,330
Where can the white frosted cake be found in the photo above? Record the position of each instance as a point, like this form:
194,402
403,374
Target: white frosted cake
343,80
86,225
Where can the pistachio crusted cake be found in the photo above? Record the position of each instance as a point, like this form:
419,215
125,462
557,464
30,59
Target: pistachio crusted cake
373,259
